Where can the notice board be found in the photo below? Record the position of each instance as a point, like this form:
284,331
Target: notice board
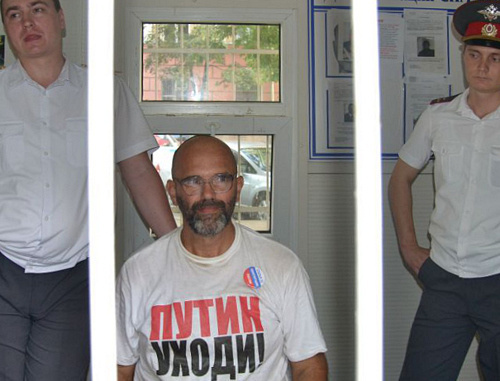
420,60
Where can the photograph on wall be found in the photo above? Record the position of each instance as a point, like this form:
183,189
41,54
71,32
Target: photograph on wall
426,47
339,43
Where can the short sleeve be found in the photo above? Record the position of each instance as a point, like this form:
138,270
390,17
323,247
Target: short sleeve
303,337
132,132
126,336
417,150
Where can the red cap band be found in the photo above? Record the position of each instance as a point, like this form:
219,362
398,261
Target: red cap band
483,30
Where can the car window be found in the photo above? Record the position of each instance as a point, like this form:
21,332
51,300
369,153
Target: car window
257,155
246,167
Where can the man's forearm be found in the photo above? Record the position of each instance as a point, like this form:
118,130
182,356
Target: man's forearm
311,369
311,375
126,373
148,193
401,203
400,197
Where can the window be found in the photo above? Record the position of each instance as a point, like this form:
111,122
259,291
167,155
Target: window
253,155
210,62
178,106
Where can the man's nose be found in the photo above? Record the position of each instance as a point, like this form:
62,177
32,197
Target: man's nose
27,20
206,190
483,64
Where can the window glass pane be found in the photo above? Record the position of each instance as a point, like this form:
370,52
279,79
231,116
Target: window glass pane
211,62
245,79
195,36
269,37
220,36
253,154
246,37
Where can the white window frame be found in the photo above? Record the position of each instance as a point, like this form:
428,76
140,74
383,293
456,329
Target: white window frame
226,118
135,18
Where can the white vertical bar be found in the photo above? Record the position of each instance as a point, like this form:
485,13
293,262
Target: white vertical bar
369,270
101,189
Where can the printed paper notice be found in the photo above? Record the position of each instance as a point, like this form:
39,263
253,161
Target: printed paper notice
419,93
391,40
341,113
425,42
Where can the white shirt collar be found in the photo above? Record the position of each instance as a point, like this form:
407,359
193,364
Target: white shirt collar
19,75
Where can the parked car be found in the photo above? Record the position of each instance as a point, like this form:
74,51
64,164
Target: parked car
257,189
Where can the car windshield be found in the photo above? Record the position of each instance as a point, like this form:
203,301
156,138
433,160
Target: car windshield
257,155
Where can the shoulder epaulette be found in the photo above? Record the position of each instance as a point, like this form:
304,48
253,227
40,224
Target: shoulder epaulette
444,99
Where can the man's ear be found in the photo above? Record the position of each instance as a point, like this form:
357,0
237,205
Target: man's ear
171,191
62,19
240,181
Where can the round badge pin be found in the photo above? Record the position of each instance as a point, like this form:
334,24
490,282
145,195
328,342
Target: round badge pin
253,277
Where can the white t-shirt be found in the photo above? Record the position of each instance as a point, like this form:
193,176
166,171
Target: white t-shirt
465,222
43,164
239,316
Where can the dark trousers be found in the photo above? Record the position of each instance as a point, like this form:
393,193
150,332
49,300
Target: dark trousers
44,324
451,311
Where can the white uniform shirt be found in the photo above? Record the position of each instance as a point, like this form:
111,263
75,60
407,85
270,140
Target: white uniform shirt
465,222
43,164
239,316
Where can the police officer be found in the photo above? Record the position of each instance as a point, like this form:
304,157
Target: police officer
460,272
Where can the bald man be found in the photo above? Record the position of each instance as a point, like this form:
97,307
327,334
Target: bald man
214,300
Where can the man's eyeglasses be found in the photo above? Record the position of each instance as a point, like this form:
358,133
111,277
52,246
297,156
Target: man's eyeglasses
220,183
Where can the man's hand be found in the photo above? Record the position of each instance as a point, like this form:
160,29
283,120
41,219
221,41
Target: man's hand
414,257
312,369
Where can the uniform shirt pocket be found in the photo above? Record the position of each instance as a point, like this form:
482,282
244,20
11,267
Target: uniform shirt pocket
12,146
76,142
449,159
495,166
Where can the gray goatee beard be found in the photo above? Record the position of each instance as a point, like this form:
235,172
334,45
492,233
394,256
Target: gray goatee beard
207,226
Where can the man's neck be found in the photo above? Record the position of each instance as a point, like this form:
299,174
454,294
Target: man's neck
483,104
44,71
208,247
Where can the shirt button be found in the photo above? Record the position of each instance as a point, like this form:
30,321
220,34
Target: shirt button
47,185
46,218
45,153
